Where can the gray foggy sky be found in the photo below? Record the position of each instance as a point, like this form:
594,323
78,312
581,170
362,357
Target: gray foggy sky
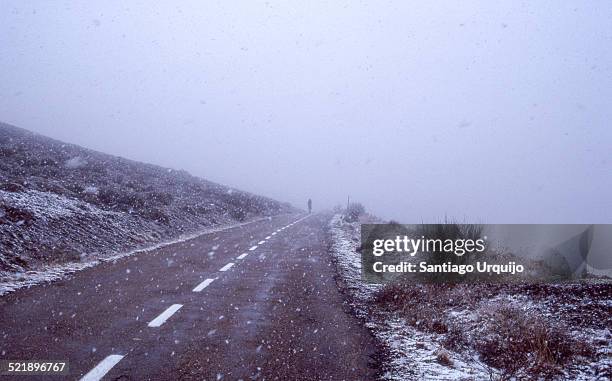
487,111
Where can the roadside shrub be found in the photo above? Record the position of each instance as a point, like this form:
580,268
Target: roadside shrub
455,338
454,232
353,211
451,230
420,305
514,340
520,343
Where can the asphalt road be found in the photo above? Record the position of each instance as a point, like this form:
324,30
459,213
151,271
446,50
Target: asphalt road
183,312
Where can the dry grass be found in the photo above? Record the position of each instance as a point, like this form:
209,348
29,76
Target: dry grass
514,340
506,337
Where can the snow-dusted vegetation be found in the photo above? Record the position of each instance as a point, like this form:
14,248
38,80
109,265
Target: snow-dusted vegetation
479,332
62,204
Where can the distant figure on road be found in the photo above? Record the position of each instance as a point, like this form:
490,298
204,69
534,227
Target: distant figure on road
309,206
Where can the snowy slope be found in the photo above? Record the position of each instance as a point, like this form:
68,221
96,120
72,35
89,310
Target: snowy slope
61,203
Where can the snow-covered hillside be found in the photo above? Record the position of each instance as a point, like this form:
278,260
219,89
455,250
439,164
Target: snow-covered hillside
61,203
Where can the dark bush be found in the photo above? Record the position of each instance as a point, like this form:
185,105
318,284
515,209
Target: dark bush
454,232
16,215
122,199
238,214
508,338
156,214
61,253
514,340
353,211
455,338
108,196
159,198
12,187
420,305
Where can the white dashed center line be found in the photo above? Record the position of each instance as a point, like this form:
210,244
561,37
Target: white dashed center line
161,319
203,285
102,368
109,362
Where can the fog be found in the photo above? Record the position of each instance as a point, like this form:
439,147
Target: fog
483,111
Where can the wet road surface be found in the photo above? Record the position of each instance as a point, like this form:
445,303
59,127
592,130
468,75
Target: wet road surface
254,302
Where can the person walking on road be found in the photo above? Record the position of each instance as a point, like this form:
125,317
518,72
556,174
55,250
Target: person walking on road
309,206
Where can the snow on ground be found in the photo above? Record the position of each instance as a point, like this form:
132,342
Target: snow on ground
408,354
576,316
63,207
11,281
47,206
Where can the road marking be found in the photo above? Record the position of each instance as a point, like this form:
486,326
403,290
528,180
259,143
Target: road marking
241,256
203,285
253,248
261,242
227,267
161,319
102,368
268,237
